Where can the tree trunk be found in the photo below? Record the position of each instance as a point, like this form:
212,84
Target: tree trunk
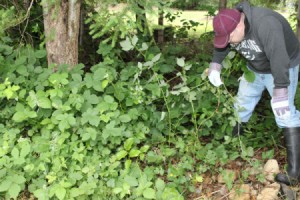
160,32
298,21
222,4
61,23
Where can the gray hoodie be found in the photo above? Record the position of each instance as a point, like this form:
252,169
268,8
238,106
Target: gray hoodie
270,45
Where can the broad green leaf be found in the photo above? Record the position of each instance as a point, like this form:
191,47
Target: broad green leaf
104,84
134,40
144,47
15,153
117,190
187,67
199,179
160,184
121,154
154,88
99,75
88,80
21,60
85,137
5,185
132,181
75,192
149,193
30,114
133,113
156,58
134,153
250,151
226,63
145,148
44,102
14,190
41,194
92,133
128,164
108,99
57,78
180,62
249,76
32,99
231,54
19,179
126,44
111,183
125,118
105,118
60,192
128,144
63,125
91,116
192,96
22,70
40,53
91,98
171,193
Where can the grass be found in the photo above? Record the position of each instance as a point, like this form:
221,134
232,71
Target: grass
196,16
181,16
185,16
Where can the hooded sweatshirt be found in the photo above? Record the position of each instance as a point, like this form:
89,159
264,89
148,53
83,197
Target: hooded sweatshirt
269,45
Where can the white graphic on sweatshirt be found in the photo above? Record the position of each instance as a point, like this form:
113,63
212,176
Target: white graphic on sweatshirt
248,48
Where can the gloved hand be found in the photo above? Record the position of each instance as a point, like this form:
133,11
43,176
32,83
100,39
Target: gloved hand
280,103
214,71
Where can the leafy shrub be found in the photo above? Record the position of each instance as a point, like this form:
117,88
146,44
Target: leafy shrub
126,130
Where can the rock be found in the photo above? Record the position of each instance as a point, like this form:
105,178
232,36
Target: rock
271,168
240,193
254,171
254,193
287,192
270,192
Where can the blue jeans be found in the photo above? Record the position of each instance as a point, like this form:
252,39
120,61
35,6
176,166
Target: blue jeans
250,93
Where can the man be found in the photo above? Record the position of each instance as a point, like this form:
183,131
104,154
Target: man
272,51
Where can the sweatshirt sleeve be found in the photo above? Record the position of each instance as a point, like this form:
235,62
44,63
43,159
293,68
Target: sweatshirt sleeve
271,34
220,54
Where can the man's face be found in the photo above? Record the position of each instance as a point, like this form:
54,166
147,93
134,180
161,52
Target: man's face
238,34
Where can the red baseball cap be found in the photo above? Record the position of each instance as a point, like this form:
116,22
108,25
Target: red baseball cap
224,23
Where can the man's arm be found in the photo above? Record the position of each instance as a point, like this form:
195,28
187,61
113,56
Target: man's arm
271,35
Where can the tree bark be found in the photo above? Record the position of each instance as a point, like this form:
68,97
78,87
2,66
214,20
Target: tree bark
160,33
61,23
222,4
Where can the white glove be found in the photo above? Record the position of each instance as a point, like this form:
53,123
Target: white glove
214,73
280,103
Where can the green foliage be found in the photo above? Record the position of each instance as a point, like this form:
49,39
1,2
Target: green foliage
143,123
7,19
194,4
125,130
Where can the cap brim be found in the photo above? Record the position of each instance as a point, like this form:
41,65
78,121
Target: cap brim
221,41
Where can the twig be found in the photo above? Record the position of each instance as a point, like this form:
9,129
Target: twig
225,196
26,17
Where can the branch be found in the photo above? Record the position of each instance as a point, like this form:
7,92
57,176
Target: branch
26,17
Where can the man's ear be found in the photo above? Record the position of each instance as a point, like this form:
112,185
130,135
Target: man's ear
242,21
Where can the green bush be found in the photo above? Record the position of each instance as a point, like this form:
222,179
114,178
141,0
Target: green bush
125,130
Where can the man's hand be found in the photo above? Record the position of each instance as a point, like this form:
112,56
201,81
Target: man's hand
280,103
214,71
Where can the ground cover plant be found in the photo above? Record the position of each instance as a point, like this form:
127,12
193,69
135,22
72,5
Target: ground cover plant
142,122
